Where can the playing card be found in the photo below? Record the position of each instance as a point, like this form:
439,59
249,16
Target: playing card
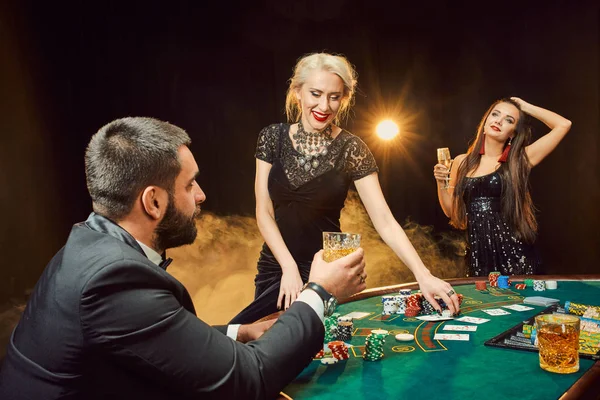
496,311
518,307
473,320
434,317
357,314
451,336
466,328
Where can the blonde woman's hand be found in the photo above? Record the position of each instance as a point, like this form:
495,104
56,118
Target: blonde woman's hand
432,286
289,289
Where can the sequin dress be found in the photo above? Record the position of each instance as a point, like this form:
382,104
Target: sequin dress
492,243
307,201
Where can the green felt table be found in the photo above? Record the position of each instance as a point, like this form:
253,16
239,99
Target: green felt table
428,369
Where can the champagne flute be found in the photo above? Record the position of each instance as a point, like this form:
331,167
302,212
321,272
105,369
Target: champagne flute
443,155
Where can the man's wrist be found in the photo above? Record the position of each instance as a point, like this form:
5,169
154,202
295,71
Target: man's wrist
329,300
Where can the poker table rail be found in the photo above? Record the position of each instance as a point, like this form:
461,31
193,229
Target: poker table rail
380,291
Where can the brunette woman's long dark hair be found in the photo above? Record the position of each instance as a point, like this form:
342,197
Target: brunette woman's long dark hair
517,206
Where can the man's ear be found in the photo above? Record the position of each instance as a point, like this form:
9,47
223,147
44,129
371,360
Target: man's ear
154,202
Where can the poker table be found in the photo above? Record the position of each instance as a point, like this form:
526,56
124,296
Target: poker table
429,369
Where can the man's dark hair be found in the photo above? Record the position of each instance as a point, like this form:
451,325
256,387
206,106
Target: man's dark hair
128,155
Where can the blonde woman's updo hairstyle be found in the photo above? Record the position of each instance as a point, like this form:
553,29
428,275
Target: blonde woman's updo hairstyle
336,64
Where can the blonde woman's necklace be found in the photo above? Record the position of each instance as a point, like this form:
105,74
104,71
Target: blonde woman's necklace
311,145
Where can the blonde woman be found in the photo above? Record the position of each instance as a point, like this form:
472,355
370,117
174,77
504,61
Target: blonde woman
303,172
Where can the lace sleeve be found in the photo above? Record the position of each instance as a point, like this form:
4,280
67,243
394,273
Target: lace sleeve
266,147
359,160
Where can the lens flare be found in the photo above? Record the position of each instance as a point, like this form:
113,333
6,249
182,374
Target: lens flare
387,130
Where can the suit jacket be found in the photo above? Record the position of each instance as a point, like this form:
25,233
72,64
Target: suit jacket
104,322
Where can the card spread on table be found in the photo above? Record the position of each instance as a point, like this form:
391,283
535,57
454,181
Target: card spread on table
434,317
357,315
473,320
518,307
496,311
540,301
451,336
466,328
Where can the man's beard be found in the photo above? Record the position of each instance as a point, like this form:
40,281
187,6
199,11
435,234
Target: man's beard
175,229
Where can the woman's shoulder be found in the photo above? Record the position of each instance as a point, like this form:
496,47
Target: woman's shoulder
460,158
350,138
276,127
273,130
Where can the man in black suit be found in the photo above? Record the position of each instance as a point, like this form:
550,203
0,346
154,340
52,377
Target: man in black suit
106,321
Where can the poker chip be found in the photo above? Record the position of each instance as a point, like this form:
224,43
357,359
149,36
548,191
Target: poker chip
551,285
539,286
412,311
480,285
401,303
339,350
404,337
446,313
329,360
493,278
427,308
374,345
520,286
390,305
528,282
344,331
405,292
503,282
580,309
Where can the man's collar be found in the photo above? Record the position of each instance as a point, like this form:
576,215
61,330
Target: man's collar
151,253
104,225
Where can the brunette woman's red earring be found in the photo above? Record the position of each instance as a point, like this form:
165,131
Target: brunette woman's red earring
504,155
482,148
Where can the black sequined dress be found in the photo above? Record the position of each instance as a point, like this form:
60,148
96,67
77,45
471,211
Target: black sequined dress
307,201
492,243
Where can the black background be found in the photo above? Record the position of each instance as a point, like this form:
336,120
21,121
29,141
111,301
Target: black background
220,71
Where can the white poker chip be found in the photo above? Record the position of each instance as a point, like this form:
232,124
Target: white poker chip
329,360
404,337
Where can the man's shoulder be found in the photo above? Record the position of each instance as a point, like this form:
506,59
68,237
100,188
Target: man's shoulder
87,244
89,252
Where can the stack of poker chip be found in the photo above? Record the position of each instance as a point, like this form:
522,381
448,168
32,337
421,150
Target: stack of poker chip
405,292
374,345
539,286
339,350
344,329
520,286
390,305
493,278
551,285
460,297
330,327
580,309
427,308
503,282
401,303
528,282
413,305
527,329
480,285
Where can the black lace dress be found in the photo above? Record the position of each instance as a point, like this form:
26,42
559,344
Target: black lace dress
492,244
307,201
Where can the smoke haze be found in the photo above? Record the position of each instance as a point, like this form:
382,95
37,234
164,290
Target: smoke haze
219,268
